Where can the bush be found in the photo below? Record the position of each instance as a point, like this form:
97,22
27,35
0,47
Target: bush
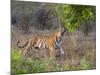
22,65
85,65
19,64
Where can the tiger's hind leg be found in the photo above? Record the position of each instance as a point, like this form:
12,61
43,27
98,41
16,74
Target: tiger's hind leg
26,52
28,48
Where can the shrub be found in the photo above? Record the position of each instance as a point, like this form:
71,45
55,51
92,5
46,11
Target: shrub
21,65
85,64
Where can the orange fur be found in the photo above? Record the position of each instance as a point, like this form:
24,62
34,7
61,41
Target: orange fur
44,41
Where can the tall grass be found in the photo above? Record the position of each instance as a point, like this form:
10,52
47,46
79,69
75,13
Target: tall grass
22,65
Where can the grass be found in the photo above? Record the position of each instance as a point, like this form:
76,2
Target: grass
21,65
78,56
85,64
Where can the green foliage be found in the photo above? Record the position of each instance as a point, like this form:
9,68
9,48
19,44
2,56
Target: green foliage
72,16
19,64
85,64
22,65
42,14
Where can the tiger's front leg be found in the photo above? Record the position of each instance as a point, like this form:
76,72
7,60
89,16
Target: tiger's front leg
58,46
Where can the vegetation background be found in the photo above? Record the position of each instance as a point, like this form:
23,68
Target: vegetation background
30,18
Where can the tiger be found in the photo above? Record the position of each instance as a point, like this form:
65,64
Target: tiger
52,42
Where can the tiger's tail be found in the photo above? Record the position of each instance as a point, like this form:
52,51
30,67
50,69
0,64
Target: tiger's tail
22,45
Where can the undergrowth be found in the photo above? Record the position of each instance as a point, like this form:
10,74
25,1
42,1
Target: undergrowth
21,65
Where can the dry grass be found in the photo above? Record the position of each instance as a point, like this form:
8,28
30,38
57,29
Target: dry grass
80,50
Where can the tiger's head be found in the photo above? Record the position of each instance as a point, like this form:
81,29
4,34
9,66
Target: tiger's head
60,33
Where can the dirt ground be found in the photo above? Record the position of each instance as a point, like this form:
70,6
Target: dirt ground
76,45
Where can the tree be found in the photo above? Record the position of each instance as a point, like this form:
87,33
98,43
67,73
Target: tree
73,16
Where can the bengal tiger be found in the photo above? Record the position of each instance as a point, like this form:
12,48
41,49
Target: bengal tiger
51,42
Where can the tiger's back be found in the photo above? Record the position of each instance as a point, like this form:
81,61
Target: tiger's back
47,42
